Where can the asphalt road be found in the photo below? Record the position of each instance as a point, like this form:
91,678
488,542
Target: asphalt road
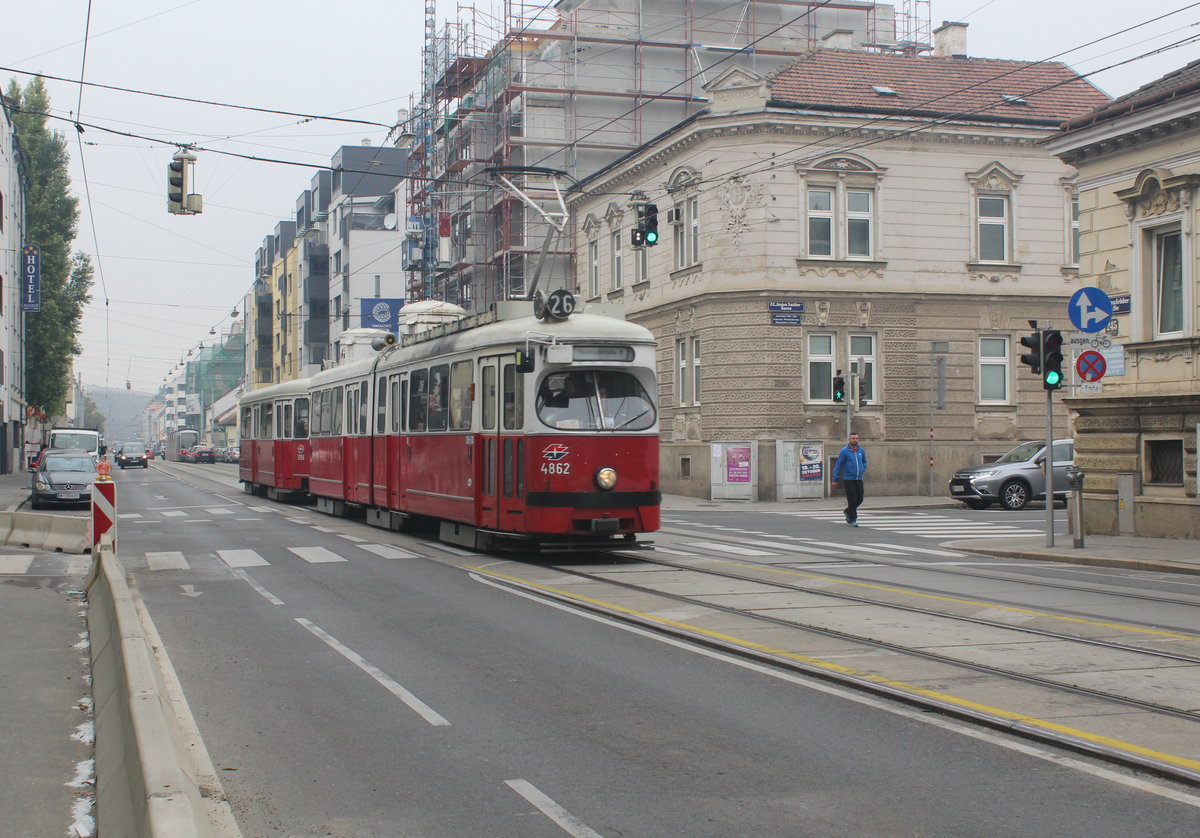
347,689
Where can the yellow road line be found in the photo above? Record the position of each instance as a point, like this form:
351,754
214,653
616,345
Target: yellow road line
827,666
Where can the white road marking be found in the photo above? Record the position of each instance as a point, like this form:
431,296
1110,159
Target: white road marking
169,560
415,704
316,555
353,538
242,558
267,595
923,550
387,551
174,513
733,549
220,511
568,822
129,515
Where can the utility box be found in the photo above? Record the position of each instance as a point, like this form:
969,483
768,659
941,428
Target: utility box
799,469
734,471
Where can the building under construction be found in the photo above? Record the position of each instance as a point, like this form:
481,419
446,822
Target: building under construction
572,86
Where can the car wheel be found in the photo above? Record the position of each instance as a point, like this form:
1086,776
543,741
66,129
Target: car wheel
977,503
1014,494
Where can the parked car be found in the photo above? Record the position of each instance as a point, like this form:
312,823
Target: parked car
201,454
149,452
233,455
218,454
63,476
131,455
1016,478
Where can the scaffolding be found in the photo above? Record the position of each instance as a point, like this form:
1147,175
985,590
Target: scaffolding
573,86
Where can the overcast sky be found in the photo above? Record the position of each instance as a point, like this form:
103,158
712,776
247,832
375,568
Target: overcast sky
169,280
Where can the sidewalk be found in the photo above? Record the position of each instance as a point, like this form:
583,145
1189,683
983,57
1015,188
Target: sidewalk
1158,554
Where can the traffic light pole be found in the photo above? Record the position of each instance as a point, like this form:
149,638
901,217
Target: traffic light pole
1048,468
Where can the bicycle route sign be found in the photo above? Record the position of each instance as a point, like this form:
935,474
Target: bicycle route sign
1090,309
1091,365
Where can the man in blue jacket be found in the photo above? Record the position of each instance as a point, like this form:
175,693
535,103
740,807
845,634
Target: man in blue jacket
851,465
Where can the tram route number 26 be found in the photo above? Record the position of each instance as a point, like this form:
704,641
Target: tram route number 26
556,467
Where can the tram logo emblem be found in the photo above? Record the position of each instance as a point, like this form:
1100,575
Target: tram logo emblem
556,451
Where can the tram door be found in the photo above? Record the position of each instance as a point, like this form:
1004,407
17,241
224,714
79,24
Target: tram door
502,455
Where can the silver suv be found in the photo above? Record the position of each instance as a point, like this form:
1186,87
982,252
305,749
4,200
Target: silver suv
1016,478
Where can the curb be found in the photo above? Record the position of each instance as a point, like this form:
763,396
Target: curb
144,788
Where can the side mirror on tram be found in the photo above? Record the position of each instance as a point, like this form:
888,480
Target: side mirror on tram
524,360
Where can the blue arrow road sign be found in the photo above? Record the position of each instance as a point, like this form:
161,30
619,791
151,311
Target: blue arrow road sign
1090,309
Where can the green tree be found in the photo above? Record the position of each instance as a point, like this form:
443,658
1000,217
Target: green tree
52,218
92,417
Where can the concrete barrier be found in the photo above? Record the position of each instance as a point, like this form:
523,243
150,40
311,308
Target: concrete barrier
145,786
45,531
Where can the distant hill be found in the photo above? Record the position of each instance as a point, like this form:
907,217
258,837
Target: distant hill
123,411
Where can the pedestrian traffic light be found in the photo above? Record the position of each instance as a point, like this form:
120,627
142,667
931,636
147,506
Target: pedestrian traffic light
839,388
177,186
650,224
637,237
1052,358
1033,358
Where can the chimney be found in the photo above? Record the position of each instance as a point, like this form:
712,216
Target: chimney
839,39
950,39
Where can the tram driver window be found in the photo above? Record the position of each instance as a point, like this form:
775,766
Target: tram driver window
611,400
338,396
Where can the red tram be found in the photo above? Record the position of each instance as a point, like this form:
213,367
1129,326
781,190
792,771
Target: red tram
509,430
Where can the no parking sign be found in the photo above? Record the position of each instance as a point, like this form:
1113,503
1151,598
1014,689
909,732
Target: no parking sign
1091,365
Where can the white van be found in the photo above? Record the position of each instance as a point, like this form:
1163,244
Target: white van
86,438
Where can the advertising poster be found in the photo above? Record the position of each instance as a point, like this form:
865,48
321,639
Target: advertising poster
737,464
812,461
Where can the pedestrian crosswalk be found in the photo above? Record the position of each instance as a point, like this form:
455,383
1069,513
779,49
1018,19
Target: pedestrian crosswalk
928,525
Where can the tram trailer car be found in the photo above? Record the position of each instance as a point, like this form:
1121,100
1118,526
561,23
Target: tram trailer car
179,441
273,451
510,430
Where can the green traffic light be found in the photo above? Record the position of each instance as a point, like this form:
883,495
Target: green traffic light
1053,377
651,236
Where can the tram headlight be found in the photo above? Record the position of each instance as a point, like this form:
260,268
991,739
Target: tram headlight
606,477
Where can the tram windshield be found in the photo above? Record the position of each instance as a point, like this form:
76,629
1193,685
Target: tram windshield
611,400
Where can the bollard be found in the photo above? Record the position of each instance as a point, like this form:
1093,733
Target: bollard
1075,478
104,509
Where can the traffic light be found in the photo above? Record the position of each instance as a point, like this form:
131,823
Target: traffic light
177,185
650,224
1033,358
839,388
637,237
1052,358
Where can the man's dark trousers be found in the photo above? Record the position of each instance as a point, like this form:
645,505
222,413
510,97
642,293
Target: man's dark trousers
854,498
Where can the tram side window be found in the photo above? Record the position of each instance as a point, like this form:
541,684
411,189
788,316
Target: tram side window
351,410
300,431
339,394
439,396
418,401
460,395
364,406
489,397
325,422
266,426
381,402
394,402
284,421
514,400
247,429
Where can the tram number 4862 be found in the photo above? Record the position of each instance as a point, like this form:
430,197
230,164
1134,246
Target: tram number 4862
556,468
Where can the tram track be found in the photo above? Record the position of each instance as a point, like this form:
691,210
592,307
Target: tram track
1130,728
